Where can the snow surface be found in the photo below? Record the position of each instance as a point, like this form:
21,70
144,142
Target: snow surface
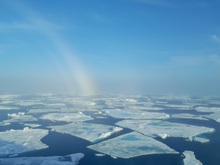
187,116
190,158
87,131
18,141
68,117
20,117
207,109
135,114
201,139
72,159
8,108
131,145
46,110
214,116
164,129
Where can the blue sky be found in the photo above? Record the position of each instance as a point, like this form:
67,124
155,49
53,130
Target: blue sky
147,46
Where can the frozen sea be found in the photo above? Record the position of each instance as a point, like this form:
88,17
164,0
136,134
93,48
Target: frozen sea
109,129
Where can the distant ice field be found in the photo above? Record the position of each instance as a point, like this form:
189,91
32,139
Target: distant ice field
109,129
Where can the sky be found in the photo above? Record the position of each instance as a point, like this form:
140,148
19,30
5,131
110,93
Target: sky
127,46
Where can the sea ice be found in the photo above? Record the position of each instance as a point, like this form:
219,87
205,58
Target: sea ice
187,116
214,116
20,117
208,109
89,131
18,141
72,159
131,114
164,129
29,102
46,110
4,124
190,158
32,125
8,108
201,139
131,145
179,106
68,117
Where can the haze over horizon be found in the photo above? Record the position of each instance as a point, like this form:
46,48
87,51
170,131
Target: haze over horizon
136,46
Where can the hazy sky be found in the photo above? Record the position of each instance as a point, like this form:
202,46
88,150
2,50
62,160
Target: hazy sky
148,46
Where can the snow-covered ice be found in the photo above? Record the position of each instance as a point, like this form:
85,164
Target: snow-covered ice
207,109
32,125
131,145
135,114
190,158
214,116
18,141
20,117
164,129
46,110
201,139
68,117
72,159
187,116
88,131
8,108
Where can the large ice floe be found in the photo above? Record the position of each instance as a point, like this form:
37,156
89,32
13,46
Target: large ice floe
135,114
164,129
18,141
20,117
72,159
207,109
214,116
8,108
68,117
87,131
131,145
190,158
45,110
187,116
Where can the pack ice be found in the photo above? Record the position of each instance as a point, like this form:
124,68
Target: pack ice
72,159
164,129
68,117
190,158
131,145
89,131
18,141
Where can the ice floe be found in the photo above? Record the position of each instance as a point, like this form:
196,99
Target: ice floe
68,117
187,116
20,117
164,129
72,159
18,141
190,158
8,108
29,103
88,131
131,145
32,125
179,106
46,110
135,114
4,123
201,139
208,109
214,116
